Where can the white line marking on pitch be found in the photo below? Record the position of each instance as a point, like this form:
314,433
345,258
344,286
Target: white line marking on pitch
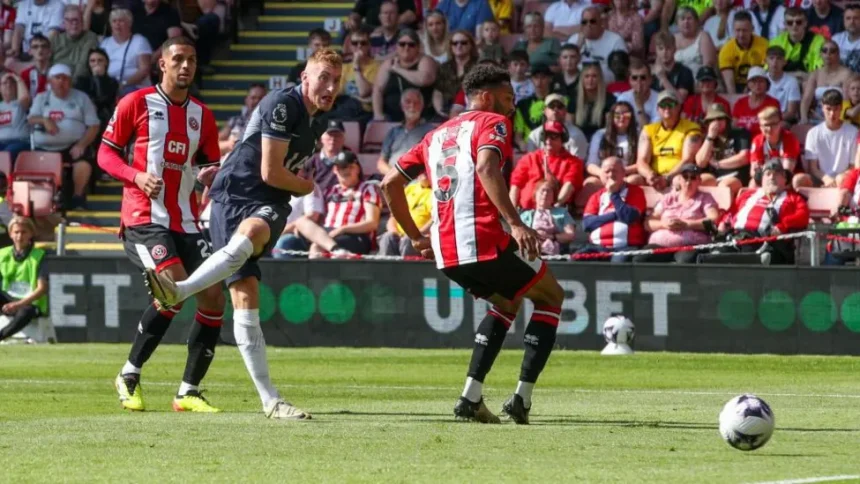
812,479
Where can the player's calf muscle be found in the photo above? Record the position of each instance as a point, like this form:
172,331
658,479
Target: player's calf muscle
245,293
546,291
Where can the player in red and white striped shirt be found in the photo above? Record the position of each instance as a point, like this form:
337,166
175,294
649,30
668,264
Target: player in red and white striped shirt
168,135
463,160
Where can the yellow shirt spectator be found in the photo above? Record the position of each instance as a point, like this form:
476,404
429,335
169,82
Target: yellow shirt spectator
503,11
348,86
846,105
739,60
668,145
418,197
810,62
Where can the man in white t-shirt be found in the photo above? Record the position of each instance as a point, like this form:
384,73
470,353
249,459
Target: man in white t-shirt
783,87
66,122
556,110
35,17
563,18
849,40
641,96
596,43
830,147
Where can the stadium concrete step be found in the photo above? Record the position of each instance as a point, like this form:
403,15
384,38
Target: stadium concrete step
92,217
324,9
85,248
248,67
108,187
295,23
296,38
267,51
99,202
236,81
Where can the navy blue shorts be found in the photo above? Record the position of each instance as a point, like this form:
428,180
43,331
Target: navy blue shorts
224,220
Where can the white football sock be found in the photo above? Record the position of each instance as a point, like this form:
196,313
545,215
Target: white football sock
252,345
473,390
129,368
217,267
524,390
184,388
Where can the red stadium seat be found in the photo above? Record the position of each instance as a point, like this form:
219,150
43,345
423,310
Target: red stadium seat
723,196
6,163
32,199
39,166
822,201
375,134
352,136
368,163
34,183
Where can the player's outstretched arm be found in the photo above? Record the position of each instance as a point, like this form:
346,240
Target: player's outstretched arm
275,174
394,189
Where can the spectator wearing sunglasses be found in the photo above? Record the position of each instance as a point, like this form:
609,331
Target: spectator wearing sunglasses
461,58
36,76
641,96
832,74
409,69
383,40
595,42
667,145
354,102
802,46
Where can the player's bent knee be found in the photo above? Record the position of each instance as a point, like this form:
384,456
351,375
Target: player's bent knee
547,291
257,232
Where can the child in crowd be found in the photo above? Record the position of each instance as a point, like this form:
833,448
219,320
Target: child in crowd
518,67
851,105
488,45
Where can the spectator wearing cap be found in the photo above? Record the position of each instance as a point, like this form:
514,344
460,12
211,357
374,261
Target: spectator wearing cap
746,109
310,206
321,163
725,152
551,162
618,139
466,15
830,147
614,214
518,68
556,110
72,47
462,58
383,39
419,197
24,278
783,88
669,75
802,46
351,219
130,54
36,76
831,75
641,96
665,146
234,130
595,42
35,17
67,122
14,104
354,101
565,81
554,224
774,209
367,12
529,111
681,219
592,102
540,46
744,51
410,68
99,86
696,105
402,138
775,143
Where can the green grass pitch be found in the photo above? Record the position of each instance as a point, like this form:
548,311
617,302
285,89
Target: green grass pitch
384,415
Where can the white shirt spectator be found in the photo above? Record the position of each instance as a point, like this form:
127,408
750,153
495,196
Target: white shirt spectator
72,115
785,90
38,19
137,45
307,205
560,14
523,89
13,122
598,50
650,106
577,143
834,150
712,26
849,52
777,24
623,146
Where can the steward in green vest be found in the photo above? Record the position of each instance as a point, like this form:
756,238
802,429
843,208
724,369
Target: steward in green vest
24,286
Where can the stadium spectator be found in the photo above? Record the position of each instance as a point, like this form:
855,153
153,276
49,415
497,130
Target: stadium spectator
746,109
489,46
744,51
719,26
556,110
351,219
619,64
367,12
625,21
849,40
7,26
693,46
564,18
566,80
97,17
234,130
783,87
408,69
402,138
542,49
130,54
613,215
825,18
725,154
156,21
550,162
768,18
354,101
331,145
773,209
449,80
641,96
419,197
503,12
591,102
3,68
802,46
529,111
845,216
681,219
14,104
436,38
205,31
553,224
851,105
36,76
666,146
830,147
832,75
667,74
99,86
466,15
518,68
595,42
67,123
696,105
25,280
310,206
73,46
617,139
383,40
44,17
775,143
317,39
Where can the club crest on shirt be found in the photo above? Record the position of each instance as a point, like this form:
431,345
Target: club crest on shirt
279,114
158,252
501,129
56,115
192,123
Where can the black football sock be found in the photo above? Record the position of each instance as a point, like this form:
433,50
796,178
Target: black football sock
201,345
488,342
153,325
539,339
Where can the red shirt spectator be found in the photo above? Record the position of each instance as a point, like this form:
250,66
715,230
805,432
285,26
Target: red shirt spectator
752,211
562,165
617,87
345,206
746,117
35,80
850,183
614,233
694,111
787,148
7,19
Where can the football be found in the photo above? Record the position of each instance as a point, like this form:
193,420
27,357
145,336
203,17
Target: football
619,333
746,422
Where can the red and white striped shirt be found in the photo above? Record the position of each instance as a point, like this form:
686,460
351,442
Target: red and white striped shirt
345,206
167,140
466,226
36,81
751,212
617,234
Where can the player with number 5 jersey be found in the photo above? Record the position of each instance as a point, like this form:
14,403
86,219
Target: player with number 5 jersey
159,143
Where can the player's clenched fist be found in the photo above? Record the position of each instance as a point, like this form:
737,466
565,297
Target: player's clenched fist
423,247
148,183
528,241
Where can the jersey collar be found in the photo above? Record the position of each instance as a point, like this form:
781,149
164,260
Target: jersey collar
167,99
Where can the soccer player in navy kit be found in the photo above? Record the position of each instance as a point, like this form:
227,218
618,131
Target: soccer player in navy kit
250,204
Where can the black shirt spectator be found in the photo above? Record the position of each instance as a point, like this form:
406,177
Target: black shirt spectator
828,25
157,21
99,86
368,10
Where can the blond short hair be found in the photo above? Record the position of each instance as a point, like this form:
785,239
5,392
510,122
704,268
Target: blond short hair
24,222
769,112
326,56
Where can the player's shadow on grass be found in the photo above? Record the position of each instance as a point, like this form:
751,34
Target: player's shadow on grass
354,413
561,420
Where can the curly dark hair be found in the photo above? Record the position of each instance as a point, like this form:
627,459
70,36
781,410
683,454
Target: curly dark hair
484,76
